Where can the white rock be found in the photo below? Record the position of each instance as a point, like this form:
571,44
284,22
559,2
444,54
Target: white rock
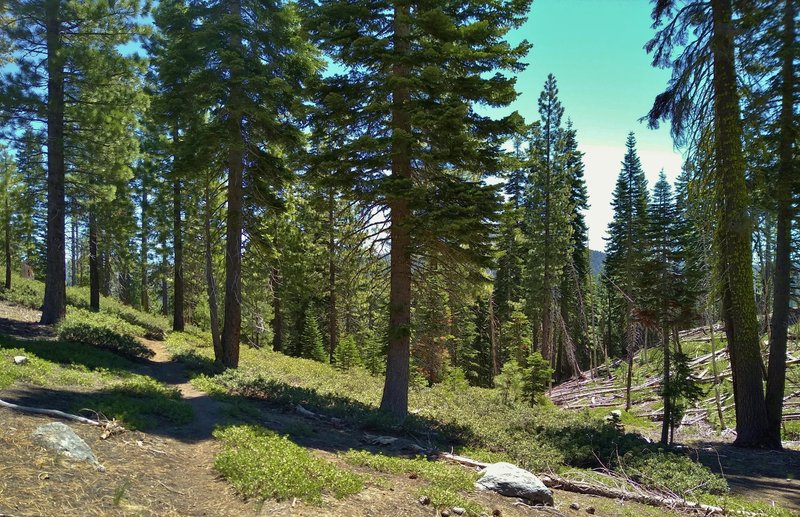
20,359
511,481
61,439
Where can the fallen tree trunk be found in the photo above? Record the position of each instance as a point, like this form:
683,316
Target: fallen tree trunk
552,481
49,412
577,487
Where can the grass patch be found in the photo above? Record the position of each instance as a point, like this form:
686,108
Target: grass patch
447,486
103,380
735,505
672,472
260,463
141,403
103,331
539,439
154,326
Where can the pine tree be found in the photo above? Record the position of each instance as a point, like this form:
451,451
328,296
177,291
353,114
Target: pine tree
664,294
311,340
8,192
243,62
49,57
681,103
548,219
626,250
575,288
346,355
434,64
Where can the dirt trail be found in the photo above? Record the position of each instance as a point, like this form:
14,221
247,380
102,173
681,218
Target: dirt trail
208,412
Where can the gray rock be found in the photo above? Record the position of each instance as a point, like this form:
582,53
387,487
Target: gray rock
458,510
61,439
511,481
20,359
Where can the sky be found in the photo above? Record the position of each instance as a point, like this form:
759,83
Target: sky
594,48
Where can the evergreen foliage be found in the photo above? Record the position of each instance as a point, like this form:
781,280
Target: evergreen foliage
347,355
311,339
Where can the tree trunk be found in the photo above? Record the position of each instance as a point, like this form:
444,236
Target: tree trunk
493,340
164,286
178,323
277,311
733,240
55,300
94,269
74,247
232,325
715,372
145,299
665,424
395,389
776,375
630,341
332,317
211,284
7,246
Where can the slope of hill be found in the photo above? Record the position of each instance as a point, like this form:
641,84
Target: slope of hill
318,427
596,260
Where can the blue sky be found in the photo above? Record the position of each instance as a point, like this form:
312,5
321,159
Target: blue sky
606,83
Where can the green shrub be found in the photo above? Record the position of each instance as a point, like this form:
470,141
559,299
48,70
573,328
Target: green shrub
447,482
259,463
25,292
672,473
537,374
104,331
510,382
153,326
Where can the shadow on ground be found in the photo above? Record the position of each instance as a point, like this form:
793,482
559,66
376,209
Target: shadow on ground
772,474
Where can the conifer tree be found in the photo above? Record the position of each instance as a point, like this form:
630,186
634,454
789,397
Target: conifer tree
8,192
53,56
412,72
663,296
244,62
706,68
626,250
548,218
311,340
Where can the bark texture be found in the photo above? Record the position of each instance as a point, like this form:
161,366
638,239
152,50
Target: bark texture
733,239
55,300
395,389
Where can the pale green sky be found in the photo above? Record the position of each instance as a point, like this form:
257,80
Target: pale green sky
606,83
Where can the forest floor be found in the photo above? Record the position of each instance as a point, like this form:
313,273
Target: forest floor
756,475
167,467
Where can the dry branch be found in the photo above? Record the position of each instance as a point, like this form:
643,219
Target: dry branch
49,412
559,483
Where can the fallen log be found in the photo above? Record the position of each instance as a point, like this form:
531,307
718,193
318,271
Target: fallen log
49,412
552,481
463,460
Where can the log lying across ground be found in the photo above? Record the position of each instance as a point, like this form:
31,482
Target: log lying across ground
49,412
579,487
552,481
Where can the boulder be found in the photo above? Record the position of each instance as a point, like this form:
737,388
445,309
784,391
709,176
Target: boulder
20,359
61,439
511,481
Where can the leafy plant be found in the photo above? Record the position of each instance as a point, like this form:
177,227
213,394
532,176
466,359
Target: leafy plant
259,463
103,331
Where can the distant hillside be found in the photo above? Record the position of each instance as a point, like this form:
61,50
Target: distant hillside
596,258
